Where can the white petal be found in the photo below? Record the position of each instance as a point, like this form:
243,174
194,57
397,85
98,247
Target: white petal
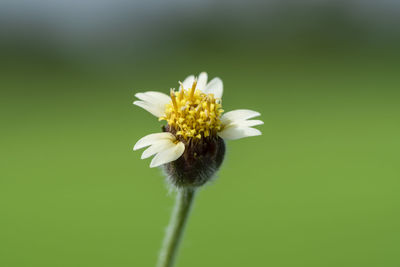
248,123
238,115
216,87
168,155
157,147
152,96
151,139
154,109
188,82
202,81
153,102
233,132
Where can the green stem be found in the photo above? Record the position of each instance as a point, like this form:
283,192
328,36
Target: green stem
180,214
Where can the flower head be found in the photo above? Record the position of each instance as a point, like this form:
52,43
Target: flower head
191,147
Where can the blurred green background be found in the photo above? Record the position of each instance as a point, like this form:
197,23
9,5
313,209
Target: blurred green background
320,187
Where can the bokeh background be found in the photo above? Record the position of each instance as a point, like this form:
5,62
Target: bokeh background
320,187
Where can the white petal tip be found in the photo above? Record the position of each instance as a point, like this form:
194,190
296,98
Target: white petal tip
235,132
156,164
168,155
150,139
257,134
137,146
153,165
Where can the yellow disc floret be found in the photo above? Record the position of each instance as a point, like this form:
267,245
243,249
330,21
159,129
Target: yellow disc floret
193,114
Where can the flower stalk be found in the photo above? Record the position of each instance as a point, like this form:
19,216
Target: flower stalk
176,227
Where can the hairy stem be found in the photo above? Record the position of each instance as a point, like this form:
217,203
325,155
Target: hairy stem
176,227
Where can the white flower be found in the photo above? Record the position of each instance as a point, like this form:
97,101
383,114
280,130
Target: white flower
193,114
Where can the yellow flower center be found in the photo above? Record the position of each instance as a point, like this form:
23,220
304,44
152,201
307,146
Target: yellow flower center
193,114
